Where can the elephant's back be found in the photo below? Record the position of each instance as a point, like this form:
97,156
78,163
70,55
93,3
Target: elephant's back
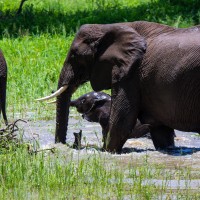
170,83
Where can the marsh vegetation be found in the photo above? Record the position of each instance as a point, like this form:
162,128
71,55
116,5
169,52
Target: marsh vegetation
35,44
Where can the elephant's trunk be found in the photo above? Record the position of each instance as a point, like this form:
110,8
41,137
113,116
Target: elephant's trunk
62,115
67,85
63,95
67,78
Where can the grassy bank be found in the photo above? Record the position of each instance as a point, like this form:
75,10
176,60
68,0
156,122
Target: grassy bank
96,176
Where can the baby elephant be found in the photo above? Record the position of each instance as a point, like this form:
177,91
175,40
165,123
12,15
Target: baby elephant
95,107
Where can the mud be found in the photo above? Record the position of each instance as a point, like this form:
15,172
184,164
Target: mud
186,154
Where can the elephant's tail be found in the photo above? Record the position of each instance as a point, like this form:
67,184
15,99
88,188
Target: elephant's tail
3,81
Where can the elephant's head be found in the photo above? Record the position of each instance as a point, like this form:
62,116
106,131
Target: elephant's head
87,102
108,56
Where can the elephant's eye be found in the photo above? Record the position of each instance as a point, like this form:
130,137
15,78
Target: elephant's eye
83,101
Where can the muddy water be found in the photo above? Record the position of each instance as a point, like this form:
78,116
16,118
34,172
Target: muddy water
186,154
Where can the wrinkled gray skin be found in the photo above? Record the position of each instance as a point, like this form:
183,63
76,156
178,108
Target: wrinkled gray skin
153,72
3,82
95,107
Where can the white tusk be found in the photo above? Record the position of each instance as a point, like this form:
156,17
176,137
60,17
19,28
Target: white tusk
55,94
51,102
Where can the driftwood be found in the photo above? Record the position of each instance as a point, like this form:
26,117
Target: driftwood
77,141
8,135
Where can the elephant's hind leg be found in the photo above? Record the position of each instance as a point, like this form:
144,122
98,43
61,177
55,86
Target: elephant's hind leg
162,136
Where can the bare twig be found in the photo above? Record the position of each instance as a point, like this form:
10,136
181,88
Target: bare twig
8,133
11,128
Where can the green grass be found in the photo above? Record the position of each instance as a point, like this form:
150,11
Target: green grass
34,64
36,42
70,176
35,45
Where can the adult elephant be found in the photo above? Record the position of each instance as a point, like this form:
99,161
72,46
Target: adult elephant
153,71
3,82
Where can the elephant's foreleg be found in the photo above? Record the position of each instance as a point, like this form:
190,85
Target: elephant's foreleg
124,112
162,136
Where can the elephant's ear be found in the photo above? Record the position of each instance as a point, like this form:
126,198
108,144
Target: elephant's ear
119,52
